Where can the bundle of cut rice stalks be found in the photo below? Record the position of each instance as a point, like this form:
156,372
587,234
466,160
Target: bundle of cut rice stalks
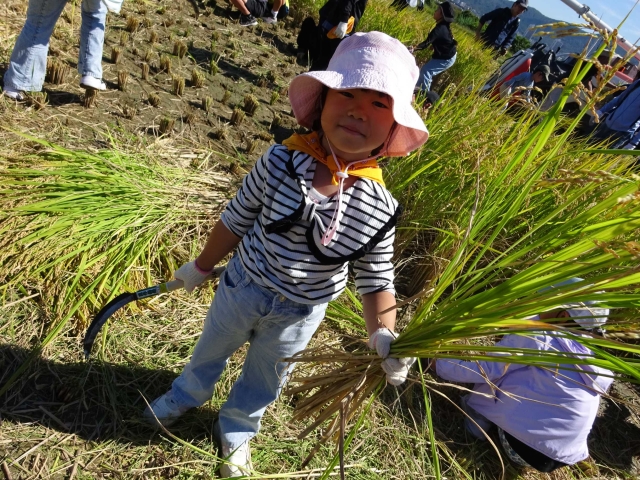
488,288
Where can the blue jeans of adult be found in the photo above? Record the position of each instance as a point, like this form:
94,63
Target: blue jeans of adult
275,328
432,68
28,62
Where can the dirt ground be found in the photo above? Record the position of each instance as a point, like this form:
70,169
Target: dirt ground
258,61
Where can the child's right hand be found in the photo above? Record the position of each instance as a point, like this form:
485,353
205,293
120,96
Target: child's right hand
191,275
380,341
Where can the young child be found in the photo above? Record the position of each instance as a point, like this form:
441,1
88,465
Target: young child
445,47
307,209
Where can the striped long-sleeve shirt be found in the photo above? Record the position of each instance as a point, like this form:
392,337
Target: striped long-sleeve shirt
281,228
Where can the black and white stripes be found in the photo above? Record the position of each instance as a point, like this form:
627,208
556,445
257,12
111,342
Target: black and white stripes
281,229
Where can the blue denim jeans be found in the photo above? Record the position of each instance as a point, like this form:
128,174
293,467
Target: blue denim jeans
275,328
430,69
28,62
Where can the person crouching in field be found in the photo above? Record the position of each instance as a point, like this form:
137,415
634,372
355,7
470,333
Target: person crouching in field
28,63
543,415
308,209
526,81
251,10
445,47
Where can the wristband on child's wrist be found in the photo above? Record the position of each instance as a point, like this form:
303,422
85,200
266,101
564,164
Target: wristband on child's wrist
200,269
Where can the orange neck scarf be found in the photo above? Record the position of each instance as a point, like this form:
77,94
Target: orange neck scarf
311,145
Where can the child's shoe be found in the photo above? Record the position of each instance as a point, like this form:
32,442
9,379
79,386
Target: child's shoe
164,410
92,83
238,459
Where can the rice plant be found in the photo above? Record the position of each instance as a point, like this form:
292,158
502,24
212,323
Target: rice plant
116,52
57,71
271,76
129,111
226,96
153,99
189,118
530,209
252,145
146,22
123,79
237,117
178,85
207,103
277,120
179,49
124,38
90,96
166,125
144,71
153,37
213,67
251,104
37,100
197,78
148,55
85,225
274,97
221,132
165,64
133,24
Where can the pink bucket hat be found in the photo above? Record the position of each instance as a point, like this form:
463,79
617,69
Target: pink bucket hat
374,61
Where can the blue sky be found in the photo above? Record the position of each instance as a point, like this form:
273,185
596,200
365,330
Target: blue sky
610,11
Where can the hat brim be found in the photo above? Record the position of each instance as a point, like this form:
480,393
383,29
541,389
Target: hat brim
304,95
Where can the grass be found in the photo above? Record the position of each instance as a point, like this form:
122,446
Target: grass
85,417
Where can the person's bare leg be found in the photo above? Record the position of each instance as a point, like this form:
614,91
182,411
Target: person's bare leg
240,5
275,8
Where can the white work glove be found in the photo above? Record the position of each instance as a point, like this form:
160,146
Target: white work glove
380,341
628,146
191,275
397,369
341,30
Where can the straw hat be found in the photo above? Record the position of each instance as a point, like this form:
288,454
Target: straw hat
374,61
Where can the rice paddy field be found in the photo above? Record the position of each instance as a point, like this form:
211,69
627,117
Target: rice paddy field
110,194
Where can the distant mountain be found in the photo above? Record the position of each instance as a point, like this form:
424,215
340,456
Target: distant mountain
530,18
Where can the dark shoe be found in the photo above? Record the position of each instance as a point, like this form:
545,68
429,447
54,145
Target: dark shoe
248,20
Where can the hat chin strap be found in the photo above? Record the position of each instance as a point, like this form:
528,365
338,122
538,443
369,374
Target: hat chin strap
342,175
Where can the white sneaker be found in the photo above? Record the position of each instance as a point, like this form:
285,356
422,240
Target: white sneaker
92,83
164,410
238,460
13,94
270,19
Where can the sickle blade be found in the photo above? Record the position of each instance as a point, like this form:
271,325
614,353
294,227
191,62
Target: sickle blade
101,318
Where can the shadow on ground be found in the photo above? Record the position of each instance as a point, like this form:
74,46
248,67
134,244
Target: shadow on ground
94,400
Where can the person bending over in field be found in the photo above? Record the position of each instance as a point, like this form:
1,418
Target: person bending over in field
251,10
543,415
28,63
308,209
445,47
527,81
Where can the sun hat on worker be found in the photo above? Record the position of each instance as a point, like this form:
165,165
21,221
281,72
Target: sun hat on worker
586,314
373,61
448,14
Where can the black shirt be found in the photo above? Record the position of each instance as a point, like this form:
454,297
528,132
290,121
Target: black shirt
442,41
337,11
503,27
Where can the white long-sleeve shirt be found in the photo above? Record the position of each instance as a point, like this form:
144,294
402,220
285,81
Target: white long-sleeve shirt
281,228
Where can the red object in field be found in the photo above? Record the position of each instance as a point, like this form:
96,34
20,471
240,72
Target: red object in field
522,68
